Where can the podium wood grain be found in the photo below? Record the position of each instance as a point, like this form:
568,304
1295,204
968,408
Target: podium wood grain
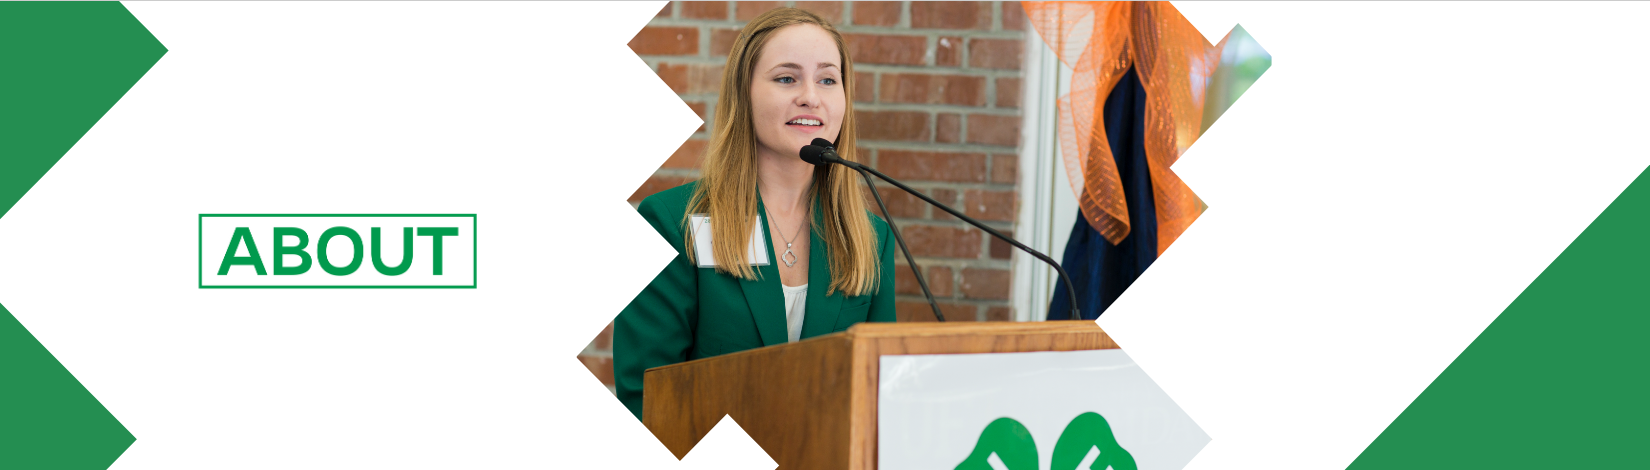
812,404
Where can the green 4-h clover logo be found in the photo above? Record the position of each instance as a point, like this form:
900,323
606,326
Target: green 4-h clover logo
1011,443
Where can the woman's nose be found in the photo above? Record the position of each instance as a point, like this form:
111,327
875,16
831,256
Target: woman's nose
809,97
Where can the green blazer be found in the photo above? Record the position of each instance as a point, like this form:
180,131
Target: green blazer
689,312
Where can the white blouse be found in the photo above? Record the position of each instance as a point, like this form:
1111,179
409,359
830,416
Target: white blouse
795,298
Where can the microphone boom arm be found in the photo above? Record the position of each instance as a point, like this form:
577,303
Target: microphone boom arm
821,153
1075,313
908,260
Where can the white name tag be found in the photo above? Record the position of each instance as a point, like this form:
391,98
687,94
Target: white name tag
700,223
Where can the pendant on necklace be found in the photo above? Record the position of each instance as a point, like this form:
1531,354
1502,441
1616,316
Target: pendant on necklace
789,258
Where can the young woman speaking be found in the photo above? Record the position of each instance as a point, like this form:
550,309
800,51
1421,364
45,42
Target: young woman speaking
770,249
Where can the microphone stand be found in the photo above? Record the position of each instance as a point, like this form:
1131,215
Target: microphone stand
908,260
828,155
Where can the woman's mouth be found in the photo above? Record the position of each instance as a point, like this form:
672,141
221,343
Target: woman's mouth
804,122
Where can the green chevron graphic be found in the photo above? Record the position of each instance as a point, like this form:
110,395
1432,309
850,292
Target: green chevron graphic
1011,442
62,66
1561,379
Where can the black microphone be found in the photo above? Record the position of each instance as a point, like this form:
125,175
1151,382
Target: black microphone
817,154
822,152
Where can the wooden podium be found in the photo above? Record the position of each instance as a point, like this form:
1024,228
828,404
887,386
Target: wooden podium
813,404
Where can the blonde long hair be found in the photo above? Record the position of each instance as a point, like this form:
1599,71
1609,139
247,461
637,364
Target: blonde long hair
727,191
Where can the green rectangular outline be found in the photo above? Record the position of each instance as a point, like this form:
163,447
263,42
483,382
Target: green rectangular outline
200,277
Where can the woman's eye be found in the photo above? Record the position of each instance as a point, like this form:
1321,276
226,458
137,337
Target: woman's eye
828,81
785,80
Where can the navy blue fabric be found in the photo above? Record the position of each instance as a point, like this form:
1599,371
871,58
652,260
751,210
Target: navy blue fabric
1100,270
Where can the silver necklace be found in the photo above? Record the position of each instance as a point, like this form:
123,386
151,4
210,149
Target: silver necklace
790,258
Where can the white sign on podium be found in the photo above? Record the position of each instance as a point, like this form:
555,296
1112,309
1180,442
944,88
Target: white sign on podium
1060,410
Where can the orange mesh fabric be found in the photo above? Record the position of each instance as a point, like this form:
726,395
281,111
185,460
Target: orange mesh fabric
1100,41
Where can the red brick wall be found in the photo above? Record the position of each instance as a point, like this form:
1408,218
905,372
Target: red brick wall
938,98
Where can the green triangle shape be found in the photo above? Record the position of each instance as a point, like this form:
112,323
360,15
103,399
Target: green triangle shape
62,66
47,419
1560,380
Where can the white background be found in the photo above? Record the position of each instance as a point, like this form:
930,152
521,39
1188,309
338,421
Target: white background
932,408
1393,181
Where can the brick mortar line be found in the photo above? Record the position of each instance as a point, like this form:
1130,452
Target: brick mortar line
903,221
962,147
705,33
960,188
934,261
949,184
932,33
655,60
997,16
928,186
971,301
935,70
990,101
937,107
935,147
691,22
931,51
959,263
876,86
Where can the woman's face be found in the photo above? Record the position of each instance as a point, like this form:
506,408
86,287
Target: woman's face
796,90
